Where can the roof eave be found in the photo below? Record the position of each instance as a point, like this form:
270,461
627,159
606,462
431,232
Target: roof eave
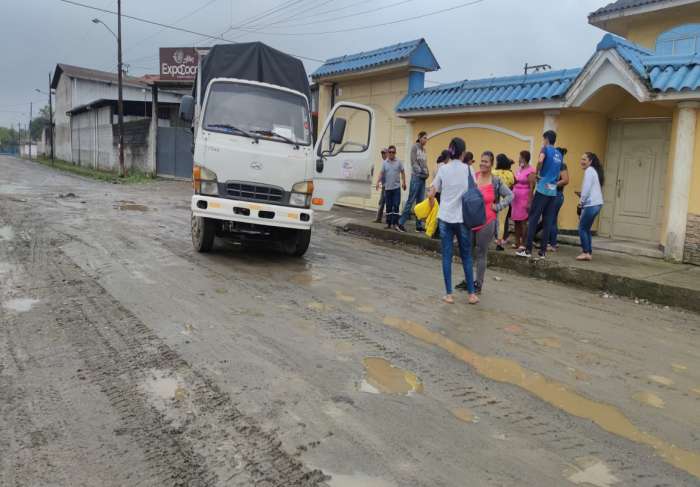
346,75
505,107
601,19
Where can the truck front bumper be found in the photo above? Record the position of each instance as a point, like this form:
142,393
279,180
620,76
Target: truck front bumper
252,213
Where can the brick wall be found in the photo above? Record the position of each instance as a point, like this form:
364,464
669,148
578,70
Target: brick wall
692,240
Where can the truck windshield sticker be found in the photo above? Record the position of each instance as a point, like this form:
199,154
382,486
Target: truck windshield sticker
284,131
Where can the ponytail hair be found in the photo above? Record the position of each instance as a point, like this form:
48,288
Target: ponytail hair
596,164
457,148
444,156
563,150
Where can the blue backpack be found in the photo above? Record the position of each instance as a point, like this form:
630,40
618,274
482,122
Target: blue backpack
473,207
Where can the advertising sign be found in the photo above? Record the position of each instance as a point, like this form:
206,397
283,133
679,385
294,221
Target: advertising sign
178,63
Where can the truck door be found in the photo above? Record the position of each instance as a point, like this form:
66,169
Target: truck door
344,155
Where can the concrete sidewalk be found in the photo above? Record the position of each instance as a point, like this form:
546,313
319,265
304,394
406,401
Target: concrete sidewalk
636,277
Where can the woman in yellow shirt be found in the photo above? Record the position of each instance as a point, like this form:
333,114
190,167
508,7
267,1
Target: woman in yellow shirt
505,174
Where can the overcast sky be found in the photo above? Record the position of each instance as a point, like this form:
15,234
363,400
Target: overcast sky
488,38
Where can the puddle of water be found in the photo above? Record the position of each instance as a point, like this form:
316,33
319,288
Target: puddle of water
344,297
164,387
593,472
514,329
316,306
357,480
20,305
306,278
131,206
6,233
548,342
664,381
604,415
386,378
650,399
465,415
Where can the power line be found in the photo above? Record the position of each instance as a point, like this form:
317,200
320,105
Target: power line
202,7
333,19
266,13
171,27
365,27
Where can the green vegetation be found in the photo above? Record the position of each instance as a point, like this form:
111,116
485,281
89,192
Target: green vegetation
133,177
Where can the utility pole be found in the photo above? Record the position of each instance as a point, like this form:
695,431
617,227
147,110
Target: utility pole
30,131
120,102
51,121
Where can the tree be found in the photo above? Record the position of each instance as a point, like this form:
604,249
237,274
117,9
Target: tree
40,122
8,136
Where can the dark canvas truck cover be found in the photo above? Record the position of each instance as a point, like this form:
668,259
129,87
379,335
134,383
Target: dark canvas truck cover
254,61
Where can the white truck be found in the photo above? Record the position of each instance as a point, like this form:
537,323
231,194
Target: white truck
257,175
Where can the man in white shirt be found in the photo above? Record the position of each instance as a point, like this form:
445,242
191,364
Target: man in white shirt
452,181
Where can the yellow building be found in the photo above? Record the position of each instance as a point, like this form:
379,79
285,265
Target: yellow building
634,104
380,79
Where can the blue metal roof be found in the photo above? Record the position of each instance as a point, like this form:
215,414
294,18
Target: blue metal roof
673,73
662,73
633,53
416,52
512,89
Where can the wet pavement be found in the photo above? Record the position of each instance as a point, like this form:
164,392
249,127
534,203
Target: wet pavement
128,359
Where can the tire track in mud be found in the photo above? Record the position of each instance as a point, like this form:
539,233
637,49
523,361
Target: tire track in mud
194,437
542,425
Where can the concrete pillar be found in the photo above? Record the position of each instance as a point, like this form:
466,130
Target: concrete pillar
325,95
684,145
551,120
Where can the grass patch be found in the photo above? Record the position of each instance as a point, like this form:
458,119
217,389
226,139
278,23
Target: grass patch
133,177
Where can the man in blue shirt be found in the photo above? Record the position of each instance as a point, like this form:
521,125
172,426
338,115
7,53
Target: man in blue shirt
544,203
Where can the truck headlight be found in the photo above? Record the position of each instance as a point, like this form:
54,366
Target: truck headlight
204,181
301,194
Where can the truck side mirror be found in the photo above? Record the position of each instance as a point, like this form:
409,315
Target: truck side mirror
186,111
338,130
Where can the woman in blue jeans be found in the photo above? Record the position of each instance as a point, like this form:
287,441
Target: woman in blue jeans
591,201
451,181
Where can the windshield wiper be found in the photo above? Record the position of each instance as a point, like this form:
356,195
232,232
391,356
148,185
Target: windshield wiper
232,128
270,133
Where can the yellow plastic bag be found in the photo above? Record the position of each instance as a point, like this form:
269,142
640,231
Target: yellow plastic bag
430,215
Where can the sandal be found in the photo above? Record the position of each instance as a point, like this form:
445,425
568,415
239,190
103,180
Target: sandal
448,299
473,299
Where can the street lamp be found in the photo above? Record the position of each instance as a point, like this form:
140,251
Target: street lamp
50,117
120,101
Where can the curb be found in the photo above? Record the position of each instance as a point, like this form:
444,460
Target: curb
589,279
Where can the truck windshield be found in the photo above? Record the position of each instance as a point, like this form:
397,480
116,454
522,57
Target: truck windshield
267,113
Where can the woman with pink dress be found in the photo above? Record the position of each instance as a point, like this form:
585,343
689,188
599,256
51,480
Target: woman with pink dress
525,179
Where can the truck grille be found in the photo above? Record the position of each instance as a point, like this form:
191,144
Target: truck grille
255,192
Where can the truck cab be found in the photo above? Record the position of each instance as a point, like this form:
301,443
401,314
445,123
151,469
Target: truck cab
258,177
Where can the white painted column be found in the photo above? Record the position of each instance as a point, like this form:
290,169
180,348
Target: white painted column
551,120
684,144
325,94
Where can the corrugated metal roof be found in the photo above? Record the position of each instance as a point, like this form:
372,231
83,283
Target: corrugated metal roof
92,74
372,59
512,89
621,5
673,73
633,53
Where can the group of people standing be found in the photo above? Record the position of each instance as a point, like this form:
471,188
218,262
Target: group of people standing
531,197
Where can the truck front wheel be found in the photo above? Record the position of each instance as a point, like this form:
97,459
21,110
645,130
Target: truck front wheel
203,233
297,243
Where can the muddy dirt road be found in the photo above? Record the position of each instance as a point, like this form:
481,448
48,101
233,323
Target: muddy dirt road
128,359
